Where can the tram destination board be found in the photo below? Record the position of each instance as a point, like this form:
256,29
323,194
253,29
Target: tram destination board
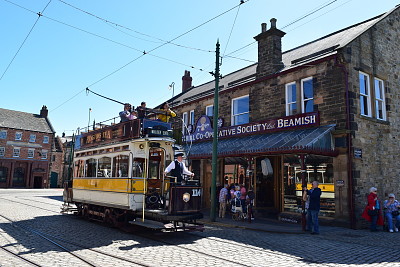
112,133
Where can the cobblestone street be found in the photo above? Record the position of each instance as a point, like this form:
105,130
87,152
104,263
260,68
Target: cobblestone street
34,233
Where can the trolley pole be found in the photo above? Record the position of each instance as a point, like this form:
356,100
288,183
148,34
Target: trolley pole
215,139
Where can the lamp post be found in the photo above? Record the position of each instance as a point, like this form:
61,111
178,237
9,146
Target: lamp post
172,86
90,110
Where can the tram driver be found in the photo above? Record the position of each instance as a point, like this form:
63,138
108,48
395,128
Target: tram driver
177,168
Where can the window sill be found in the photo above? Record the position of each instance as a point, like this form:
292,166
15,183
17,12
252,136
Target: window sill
374,120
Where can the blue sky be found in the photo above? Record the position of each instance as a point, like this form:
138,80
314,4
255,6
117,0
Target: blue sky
99,44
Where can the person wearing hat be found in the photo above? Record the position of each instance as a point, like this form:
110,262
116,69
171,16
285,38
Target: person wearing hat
392,211
166,113
125,114
177,168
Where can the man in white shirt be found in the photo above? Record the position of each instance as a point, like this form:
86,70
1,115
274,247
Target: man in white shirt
177,168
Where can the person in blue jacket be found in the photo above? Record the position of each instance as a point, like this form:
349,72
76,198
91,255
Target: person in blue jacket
314,206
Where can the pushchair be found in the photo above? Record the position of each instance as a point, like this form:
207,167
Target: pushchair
237,210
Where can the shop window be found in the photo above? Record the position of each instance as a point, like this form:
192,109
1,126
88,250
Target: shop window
19,177
380,99
3,174
31,153
317,169
240,110
210,111
365,95
16,152
2,151
120,166
32,138
3,134
104,169
291,97
307,95
91,165
18,136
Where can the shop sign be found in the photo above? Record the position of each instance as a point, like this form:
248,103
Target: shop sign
358,153
203,129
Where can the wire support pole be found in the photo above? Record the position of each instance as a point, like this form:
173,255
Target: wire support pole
215,139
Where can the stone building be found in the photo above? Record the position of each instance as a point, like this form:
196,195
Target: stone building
328,109
27,150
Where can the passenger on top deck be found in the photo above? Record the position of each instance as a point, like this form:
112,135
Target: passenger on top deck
125,113
133,116
166,113
141,110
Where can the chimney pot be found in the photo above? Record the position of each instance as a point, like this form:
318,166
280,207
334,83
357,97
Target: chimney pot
44,112
273,23
263,27
186,81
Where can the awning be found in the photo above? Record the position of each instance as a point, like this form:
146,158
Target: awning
316,140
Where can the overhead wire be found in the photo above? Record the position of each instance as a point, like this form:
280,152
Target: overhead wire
233,25
40,14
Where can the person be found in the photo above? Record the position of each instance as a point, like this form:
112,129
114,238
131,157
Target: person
314,206
222,201
167,113
243,197
124,115
142,111
392,206
132,116
250,196
177,168
372,210
236,198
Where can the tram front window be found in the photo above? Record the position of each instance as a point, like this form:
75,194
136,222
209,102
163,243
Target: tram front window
91,165
104,167
120,166
155,163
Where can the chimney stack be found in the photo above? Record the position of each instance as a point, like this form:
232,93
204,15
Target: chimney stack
269,50
44,112
186,81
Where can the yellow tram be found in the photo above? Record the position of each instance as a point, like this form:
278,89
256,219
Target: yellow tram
118,178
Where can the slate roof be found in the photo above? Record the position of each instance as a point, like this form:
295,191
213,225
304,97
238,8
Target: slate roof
24,121
322,47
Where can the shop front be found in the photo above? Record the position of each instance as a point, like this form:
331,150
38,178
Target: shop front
274,162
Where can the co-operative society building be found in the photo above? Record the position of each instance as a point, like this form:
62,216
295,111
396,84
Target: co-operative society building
329,109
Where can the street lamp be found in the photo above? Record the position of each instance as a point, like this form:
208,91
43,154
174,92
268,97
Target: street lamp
172,86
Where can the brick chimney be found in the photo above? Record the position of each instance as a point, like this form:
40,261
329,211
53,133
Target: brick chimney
186,81
269,50
44,112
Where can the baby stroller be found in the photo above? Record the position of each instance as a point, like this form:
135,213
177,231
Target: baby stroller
237,210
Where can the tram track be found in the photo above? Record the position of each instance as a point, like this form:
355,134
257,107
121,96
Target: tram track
19,257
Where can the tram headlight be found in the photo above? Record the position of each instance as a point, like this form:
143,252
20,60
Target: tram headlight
186,197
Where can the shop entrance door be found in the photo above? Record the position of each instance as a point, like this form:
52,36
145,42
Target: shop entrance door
267,171
37,182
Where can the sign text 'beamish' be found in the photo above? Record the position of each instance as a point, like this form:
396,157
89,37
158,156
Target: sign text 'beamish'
204,131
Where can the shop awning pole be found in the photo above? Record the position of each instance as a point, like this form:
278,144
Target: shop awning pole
303,184
215,140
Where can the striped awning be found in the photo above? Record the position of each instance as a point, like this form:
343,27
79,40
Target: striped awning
316,140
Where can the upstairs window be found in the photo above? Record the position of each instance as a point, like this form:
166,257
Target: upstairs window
45,139
184,121
291,97
380,99
18,136
191,117
3,134
365,95
32,138
31,153
210,111
44,154
2,151
240,110
16,152
307,95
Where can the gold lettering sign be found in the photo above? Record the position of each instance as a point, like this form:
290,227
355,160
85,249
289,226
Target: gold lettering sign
98,137
107,135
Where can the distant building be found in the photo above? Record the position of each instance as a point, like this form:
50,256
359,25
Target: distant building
328,109
28,149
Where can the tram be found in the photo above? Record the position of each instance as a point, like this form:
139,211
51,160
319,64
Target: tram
118,178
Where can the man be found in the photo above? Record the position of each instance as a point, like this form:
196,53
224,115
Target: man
222,201
142,111
177,168
125,113
166,113
313,208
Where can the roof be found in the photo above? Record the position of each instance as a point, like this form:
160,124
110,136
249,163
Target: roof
320,48
24,121
317,140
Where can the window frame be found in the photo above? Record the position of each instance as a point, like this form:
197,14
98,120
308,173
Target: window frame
381,100
2,151
191,117
31,153
18,136
235,115
303,100
287,103
46,139
3,134
212,113
44,154
368,96
15,153
32,138
185,120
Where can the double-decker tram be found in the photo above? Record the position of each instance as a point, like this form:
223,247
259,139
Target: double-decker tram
118,178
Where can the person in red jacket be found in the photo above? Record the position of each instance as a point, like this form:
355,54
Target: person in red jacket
372,210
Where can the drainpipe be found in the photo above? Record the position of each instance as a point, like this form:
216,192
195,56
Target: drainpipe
349,147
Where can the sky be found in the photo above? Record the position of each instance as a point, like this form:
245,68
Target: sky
133,51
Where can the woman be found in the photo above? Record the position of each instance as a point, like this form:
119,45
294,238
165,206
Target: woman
372,210
392,211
